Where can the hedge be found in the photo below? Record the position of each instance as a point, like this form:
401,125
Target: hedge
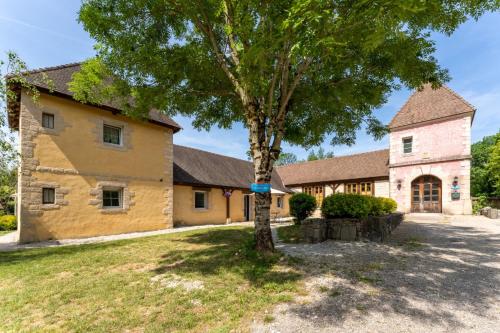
8,222
302,205
356,205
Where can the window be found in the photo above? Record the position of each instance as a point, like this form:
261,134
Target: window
112,198
407,145
351,188
315,191
366,188
200,200
47,120
279,202
48,195
112,134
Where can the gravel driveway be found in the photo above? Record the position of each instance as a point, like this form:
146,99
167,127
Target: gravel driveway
437,274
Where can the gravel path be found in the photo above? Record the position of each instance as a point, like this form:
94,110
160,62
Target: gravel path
437,274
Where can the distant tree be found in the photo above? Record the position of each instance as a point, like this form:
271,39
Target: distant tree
321,155
286,158
289,70
11,73
493,167
482,178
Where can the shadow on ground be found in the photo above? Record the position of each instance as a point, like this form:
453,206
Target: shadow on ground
430,273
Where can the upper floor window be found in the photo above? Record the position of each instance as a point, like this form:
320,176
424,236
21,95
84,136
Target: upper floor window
112,198
48,195
112,134
47,120
200,200
407,144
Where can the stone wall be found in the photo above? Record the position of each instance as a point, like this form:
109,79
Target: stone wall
373,228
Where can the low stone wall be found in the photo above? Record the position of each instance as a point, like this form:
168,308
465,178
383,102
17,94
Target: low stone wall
374,228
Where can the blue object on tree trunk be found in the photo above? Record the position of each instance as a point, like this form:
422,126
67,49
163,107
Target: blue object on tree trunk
260,188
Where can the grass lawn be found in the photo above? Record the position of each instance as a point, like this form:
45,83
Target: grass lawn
203,280
290,233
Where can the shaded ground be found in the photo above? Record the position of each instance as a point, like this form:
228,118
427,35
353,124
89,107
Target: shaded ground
437,274
207,280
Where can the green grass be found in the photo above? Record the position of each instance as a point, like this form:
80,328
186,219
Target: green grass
290,233
124,285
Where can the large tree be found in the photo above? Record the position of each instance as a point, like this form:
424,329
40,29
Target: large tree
294,70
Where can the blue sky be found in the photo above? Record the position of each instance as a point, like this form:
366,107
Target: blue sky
46,33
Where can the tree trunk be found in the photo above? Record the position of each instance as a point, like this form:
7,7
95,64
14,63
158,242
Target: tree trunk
263,236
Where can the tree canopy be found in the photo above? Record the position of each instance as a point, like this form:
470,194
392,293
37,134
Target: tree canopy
484,178
289,70
320,155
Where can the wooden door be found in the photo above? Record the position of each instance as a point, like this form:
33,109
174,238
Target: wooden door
426,195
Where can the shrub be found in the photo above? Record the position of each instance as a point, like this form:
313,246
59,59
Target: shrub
8,222
356,205
302,205
388,205
346,205
479,203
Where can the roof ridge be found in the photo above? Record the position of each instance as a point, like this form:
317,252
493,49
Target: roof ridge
334,157
52,68
209,152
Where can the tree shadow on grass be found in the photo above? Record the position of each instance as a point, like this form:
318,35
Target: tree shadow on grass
428,273
226,250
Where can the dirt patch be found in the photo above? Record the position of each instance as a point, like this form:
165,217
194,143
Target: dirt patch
174,281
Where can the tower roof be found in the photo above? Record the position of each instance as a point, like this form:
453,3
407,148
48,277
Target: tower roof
430,104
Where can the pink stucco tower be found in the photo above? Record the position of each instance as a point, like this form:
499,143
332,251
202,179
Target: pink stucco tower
430,153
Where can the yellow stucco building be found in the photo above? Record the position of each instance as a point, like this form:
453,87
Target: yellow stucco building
86,170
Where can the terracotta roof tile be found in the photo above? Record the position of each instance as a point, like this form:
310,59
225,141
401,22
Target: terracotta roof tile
62,75
198,167
359,166
430,104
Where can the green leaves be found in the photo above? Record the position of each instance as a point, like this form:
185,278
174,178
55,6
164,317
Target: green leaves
224,61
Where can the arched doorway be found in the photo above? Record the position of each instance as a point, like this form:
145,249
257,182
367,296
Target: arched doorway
426,193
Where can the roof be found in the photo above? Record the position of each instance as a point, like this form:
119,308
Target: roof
372,164
61,76
430,104
198,167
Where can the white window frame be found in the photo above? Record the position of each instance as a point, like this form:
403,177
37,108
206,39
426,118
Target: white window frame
120,197
205,197
411,144
104,125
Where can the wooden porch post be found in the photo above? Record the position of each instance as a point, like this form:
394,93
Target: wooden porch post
227,194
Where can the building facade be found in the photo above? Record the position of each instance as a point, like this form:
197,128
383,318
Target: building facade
425,170
430,153
87,170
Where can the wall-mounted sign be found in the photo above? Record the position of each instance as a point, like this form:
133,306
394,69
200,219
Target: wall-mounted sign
455,189
260,188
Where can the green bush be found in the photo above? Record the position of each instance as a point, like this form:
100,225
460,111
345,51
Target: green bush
302,205
8,222
356,205
388,205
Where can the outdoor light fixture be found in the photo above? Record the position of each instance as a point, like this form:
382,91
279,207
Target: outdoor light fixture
399,184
